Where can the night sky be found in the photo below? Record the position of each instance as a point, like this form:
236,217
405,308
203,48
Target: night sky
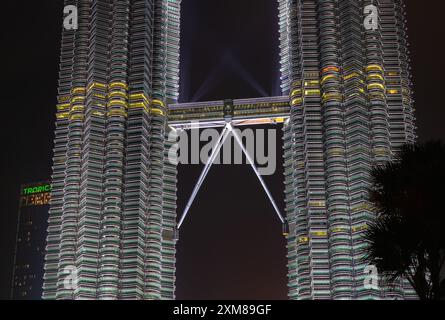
231,244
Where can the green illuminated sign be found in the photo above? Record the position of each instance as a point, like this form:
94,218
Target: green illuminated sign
37,189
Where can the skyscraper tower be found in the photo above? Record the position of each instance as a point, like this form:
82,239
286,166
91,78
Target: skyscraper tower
112,217
345,67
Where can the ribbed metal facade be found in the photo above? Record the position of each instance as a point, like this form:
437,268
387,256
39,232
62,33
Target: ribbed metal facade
351,108
113,214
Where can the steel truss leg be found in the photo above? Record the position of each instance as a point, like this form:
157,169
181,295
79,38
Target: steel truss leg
220,142
252,164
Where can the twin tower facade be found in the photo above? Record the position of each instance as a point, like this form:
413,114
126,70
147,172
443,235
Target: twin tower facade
112,224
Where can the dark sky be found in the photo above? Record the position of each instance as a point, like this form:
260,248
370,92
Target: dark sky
231,244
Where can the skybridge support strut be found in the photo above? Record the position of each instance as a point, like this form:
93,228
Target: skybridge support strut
260,178
220,142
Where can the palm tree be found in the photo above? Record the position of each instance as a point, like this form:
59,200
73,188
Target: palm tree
408,237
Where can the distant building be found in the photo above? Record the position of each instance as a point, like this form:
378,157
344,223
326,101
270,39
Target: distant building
27,278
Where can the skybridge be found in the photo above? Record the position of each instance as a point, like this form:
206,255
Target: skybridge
239,112
229,114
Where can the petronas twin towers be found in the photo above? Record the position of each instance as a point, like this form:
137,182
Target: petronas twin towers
112,216
112,226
